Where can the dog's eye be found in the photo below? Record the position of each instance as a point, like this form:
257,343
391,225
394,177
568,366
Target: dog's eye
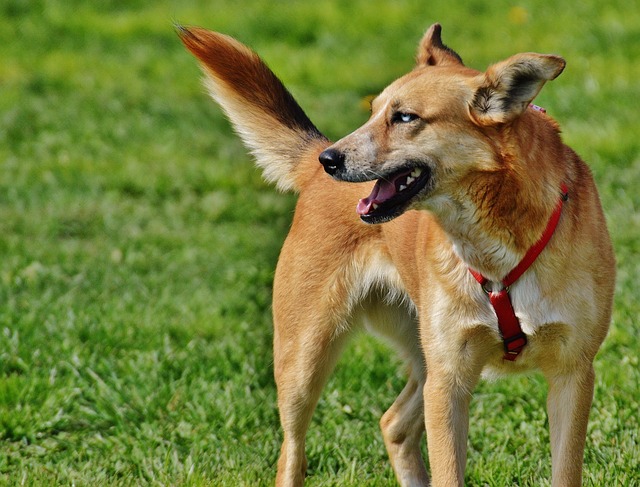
403,117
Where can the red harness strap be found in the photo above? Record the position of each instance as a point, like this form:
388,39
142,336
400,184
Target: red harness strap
513,337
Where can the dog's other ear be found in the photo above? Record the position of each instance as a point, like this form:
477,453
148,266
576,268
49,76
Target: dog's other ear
507,88
432,52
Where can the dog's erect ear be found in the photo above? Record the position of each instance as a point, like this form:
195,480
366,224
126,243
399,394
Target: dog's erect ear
432,52
507,88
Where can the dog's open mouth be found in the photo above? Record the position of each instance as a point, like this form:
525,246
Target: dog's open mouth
392,195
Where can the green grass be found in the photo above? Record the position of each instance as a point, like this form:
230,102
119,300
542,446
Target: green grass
138,242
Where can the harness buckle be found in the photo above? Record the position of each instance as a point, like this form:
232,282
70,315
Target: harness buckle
514,345
488,285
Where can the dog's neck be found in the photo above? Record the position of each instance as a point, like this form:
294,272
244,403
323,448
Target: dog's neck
494,244
491,254
485,252
502,214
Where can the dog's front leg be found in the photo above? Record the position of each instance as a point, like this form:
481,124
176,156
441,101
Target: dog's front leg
452,375
568,405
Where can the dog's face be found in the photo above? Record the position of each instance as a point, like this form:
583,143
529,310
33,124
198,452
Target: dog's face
419,136
433,127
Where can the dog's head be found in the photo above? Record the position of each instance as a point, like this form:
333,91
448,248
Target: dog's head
435,126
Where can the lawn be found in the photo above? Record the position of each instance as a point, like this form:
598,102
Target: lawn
138,242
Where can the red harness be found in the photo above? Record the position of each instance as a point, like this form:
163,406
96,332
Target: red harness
513,337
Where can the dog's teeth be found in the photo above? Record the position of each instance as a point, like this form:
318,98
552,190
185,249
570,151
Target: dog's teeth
375,206
416,172
403,187
410,180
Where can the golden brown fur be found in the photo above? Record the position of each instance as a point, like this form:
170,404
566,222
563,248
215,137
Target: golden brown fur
491,169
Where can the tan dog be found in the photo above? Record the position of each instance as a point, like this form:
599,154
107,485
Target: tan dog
469,177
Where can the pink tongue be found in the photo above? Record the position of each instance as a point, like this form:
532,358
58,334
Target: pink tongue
382,191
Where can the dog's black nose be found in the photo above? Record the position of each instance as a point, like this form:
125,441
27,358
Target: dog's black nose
332,160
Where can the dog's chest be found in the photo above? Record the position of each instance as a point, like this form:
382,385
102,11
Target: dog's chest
534,308
463,304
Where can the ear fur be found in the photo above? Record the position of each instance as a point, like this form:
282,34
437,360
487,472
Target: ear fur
507,88
432,52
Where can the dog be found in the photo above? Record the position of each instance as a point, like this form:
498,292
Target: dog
481,248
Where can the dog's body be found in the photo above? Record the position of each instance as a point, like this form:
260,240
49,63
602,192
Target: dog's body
483,172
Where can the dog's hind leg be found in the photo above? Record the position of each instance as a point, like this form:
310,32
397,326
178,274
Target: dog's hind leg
403,424
402,428
310,329
303,362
